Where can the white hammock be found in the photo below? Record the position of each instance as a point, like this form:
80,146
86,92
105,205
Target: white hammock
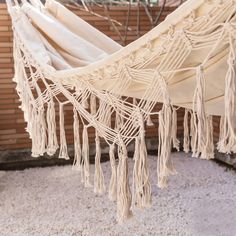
187,61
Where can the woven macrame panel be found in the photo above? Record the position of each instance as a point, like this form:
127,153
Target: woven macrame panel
187,61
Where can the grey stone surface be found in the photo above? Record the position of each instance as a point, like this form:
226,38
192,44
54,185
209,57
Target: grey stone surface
229,159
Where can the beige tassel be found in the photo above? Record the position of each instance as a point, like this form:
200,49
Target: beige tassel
141,173
52,132
124,198
85,155
193,134
199,108
63,145
34,129
175,140
37,129
136,148
164,164
208,152
113,181
228,138
33,132
99,186
77,165
135,158
43,132
186,132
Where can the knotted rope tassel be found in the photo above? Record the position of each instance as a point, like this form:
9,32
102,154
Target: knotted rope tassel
227,142
141,173
199,108
77,146
164,164
52,132
124,198
85,156
63,145
208,152
113,181
99,186
193,134
38,132
43,131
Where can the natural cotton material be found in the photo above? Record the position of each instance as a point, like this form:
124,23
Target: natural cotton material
186,61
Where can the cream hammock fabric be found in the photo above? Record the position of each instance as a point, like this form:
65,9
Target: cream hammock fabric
186,61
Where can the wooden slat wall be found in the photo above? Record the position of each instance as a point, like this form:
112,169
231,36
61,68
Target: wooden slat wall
12,126
119,13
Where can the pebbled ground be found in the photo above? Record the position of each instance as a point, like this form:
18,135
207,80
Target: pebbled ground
200,201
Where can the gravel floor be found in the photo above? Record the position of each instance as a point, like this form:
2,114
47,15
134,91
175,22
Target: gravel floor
200,201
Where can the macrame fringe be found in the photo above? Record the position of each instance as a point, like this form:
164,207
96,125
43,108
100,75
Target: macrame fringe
186,132
135,158
113,181
52,132
141,174
99,186
43,131
175,141
85,156
77,164
221,144
200,119
201,126
164,163
124,197
193,133
208,152
30,74
227,142
38,132
33,133
63,145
